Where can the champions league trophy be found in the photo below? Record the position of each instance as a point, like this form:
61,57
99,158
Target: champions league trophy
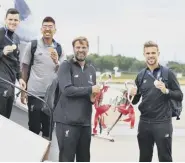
118,100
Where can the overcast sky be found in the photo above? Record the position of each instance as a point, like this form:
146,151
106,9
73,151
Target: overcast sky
126,24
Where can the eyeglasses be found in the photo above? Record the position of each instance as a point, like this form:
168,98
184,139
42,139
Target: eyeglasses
48,26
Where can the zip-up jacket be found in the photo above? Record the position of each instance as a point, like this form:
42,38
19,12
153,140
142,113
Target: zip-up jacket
9,64
154,106
75,83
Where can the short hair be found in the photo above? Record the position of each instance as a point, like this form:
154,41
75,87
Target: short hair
48,19
150,44
12,11
81,40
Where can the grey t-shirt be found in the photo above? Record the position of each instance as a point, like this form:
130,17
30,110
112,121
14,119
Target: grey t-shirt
42,71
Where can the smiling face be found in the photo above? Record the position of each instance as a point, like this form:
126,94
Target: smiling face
48,30
12,21
151,53
81,49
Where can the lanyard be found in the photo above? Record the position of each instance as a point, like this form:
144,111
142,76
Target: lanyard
6,35
158,75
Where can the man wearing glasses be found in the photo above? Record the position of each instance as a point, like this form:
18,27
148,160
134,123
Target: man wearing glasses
9,61
39,67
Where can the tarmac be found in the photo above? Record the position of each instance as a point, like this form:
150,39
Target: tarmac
123,149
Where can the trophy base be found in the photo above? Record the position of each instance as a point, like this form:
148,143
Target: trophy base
104,135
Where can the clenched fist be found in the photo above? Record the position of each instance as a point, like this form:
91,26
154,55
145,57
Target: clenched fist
93,98
54,55
8,49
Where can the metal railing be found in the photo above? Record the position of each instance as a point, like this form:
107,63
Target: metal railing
51,113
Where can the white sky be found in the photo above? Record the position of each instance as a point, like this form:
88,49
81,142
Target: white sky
126,24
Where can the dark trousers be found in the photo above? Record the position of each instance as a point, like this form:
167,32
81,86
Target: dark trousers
6,102
38,120
73,141
159,133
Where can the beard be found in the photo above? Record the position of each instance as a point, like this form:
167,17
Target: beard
80,56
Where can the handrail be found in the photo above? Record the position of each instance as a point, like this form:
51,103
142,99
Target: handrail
51,113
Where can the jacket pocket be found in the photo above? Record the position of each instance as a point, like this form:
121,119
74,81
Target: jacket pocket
76,111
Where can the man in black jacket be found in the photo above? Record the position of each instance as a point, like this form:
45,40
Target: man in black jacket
77,83
9,61
155,123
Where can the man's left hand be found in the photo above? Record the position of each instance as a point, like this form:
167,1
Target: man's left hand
93,97
162,87
54,56
22,84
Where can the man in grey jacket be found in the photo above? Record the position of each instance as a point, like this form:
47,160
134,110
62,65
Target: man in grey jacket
77,84
41,65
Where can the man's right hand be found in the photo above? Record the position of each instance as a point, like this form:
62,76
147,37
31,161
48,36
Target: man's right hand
133,91
24,98
96,89
8,49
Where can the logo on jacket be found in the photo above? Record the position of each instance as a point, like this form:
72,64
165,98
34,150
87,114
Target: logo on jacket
32,108
90,80
5,93
90,77
67,133
145,81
